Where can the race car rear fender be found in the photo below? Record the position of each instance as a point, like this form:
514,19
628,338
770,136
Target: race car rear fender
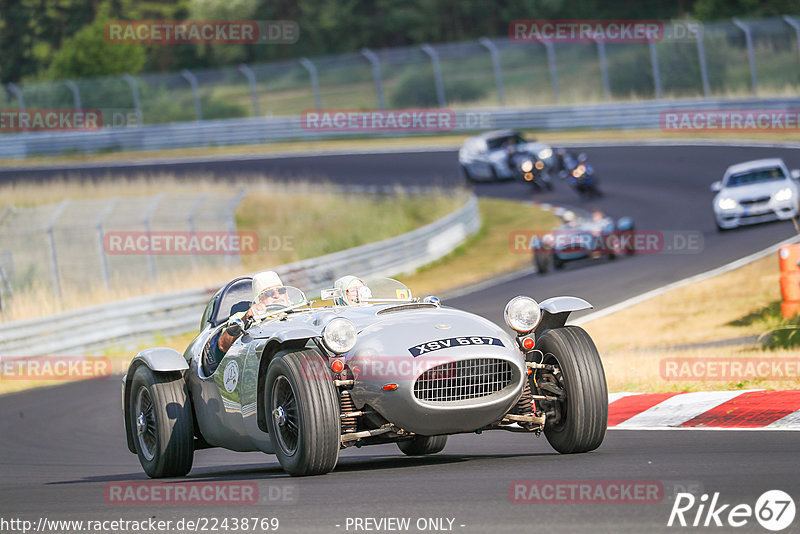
159,359
556,311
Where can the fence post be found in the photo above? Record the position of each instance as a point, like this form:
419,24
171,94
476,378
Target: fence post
51,244
146,216
553,67
312,72
12,88
101,217
656,70
190,221
135,92
437,73
76,95
794,24
230,210
376,74
192,79
251,79
748,38
498,69
601,55
701,54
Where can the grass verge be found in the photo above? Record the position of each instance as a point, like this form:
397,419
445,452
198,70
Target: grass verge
743,303
292,222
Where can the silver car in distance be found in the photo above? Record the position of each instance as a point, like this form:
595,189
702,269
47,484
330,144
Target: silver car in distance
311,378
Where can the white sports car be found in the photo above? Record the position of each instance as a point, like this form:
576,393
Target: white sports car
485,157
754,192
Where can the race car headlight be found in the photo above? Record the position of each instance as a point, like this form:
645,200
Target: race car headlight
522,314
339,335
726,203
783,194
527,166
545,153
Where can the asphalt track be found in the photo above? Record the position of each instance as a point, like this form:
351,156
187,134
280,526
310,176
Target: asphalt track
60,447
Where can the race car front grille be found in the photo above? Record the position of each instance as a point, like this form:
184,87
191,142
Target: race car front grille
753,201
463,379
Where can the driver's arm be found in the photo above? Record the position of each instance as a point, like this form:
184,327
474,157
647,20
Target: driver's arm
232,331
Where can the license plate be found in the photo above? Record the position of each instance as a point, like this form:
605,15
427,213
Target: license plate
440,344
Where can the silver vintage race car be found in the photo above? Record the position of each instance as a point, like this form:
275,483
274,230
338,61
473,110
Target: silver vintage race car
307,379
489,156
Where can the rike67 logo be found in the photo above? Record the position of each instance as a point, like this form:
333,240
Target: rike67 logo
774,510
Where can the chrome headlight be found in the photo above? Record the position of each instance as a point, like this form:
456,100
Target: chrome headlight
727,203
783,194
545,153
339,335
527,166
522,314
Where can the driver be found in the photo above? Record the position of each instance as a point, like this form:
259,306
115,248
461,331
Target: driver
353,291
268,290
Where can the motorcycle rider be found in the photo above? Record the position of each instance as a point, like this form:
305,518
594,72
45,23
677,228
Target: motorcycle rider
268,290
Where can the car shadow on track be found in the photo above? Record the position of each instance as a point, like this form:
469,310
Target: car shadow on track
274,470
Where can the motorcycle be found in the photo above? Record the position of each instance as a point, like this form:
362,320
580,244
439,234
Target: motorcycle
528,168
580,176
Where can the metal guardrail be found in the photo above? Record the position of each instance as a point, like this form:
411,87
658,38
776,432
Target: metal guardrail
123,322
633,115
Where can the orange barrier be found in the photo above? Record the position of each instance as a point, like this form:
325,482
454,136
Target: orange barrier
789,258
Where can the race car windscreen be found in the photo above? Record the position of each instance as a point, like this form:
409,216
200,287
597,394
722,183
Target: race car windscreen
387,290
275,299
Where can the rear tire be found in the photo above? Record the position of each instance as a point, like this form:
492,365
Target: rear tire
422,445
161,422
302,412
584,412
543,262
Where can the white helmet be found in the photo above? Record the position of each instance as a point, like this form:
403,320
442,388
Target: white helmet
265,280
353,290
569,216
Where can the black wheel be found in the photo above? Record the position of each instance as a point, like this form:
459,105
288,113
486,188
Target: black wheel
630,248
161,419
302,411
422,445
467,175
581,418
558,263
543,261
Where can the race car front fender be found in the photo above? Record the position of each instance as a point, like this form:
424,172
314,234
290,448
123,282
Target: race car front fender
159,359
556,311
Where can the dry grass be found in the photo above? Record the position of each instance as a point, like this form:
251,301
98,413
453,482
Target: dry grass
485,255
359,144
732,305
640,371
293,222
700,312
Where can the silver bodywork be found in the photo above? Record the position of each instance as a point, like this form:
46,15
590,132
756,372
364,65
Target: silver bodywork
484,163
229,404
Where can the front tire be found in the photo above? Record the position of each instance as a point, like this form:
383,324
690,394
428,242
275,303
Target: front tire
584,411
302,412
161,419
422,445
543,261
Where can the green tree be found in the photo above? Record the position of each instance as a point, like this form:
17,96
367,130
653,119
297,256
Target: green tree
88,53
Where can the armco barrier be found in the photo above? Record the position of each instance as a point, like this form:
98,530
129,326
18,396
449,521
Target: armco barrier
641,115
123,322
